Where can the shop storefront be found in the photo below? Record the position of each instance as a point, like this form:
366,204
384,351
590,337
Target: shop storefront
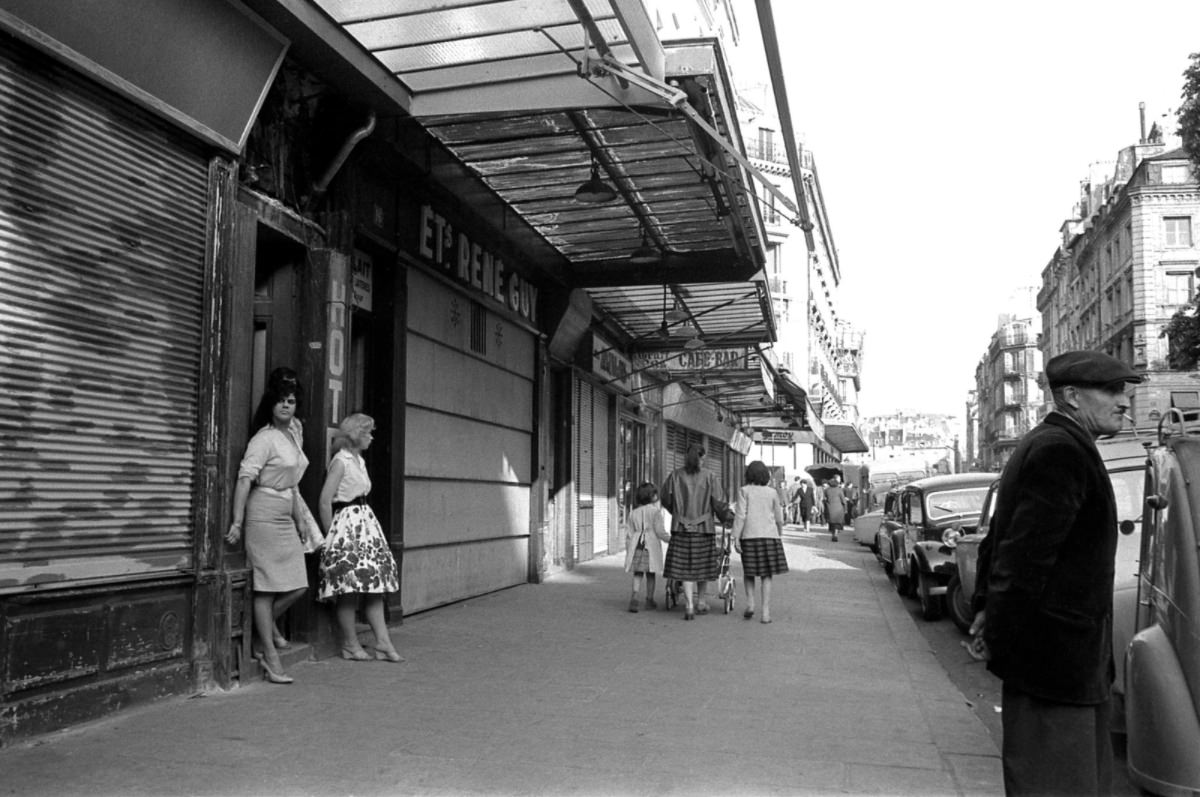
470,423
107,596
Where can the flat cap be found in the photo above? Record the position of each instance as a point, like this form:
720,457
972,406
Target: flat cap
1087,368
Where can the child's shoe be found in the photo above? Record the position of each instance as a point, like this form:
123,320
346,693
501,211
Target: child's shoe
651,603
633,604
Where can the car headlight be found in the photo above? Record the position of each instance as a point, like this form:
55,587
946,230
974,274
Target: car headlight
950,536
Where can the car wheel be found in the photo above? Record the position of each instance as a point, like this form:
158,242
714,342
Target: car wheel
959,605
931,605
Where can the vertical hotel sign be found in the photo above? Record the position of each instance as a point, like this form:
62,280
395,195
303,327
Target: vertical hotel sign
337,342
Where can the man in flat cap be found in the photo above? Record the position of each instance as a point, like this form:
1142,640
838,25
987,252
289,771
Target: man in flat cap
1045,582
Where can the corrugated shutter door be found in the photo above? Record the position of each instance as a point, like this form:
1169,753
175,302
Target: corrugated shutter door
714,460
585,472
102,250
600,469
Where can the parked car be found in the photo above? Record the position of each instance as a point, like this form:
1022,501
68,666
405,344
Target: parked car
1162,662
961,586
913,546
1125,459
868,526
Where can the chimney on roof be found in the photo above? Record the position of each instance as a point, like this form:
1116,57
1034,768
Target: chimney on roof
1142,114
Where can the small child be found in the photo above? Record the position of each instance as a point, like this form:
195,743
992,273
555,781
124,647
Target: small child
644,536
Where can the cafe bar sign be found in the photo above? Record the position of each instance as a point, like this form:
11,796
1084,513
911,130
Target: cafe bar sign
468,262
693,360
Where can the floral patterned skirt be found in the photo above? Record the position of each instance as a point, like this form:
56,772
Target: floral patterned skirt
356,557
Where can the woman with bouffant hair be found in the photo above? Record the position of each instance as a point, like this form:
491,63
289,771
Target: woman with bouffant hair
266,502
356,559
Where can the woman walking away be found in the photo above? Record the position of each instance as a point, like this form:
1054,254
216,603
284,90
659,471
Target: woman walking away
835,506
643,544
267,502
693,496
356,559
757,524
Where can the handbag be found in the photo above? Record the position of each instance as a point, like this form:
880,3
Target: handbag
311,534
641,556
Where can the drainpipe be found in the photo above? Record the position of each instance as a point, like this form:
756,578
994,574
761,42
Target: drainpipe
322,184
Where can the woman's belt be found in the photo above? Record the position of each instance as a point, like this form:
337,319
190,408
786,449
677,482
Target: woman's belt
338,506
284,493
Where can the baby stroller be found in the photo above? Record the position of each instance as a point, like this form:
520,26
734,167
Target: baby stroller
726,584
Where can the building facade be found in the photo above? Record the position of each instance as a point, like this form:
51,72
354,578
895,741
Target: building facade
1008,398
483,264
1127,263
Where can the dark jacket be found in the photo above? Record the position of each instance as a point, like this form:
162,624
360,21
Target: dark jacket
1046,568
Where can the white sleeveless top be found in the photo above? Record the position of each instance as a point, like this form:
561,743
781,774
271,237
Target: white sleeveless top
355,481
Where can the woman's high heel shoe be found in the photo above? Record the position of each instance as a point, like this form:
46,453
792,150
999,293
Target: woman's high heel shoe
270,674
388,654
355,654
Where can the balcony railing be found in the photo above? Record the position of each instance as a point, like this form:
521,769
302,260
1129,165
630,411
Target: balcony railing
770,151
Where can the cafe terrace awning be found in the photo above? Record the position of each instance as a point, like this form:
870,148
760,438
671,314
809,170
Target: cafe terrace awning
527,96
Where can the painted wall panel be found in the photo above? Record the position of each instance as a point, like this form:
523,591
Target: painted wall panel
441,511
436,576
457,383
459,448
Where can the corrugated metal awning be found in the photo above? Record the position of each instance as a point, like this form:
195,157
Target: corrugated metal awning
530,94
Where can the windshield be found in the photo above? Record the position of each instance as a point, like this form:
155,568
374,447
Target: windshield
965,501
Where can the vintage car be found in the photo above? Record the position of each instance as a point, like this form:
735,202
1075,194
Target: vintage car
961,586
1162,662
1125,459
868,526
912,546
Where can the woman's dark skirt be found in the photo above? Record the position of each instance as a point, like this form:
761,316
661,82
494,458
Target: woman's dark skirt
763,556
691,557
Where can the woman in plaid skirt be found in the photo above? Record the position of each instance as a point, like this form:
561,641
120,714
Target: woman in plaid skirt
692,496
757,524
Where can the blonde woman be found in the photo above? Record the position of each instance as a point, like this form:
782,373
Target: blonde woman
356,560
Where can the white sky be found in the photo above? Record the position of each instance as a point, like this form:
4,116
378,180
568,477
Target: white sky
951,137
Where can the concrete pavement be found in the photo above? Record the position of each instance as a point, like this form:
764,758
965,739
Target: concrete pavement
557,689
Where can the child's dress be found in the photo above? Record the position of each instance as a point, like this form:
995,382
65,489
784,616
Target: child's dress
646,522
356,557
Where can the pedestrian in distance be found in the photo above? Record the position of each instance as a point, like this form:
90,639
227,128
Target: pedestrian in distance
835,507
266,509
356,561
757,525
1044,592
645,533
694,497
791,513
807,500
851,490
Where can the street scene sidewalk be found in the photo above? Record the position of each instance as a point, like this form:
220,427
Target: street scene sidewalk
558,689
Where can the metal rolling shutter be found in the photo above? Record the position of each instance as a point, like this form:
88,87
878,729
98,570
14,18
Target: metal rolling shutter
102,251
584,473
600,469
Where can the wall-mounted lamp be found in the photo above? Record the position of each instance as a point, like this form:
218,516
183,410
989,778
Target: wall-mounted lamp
595,191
